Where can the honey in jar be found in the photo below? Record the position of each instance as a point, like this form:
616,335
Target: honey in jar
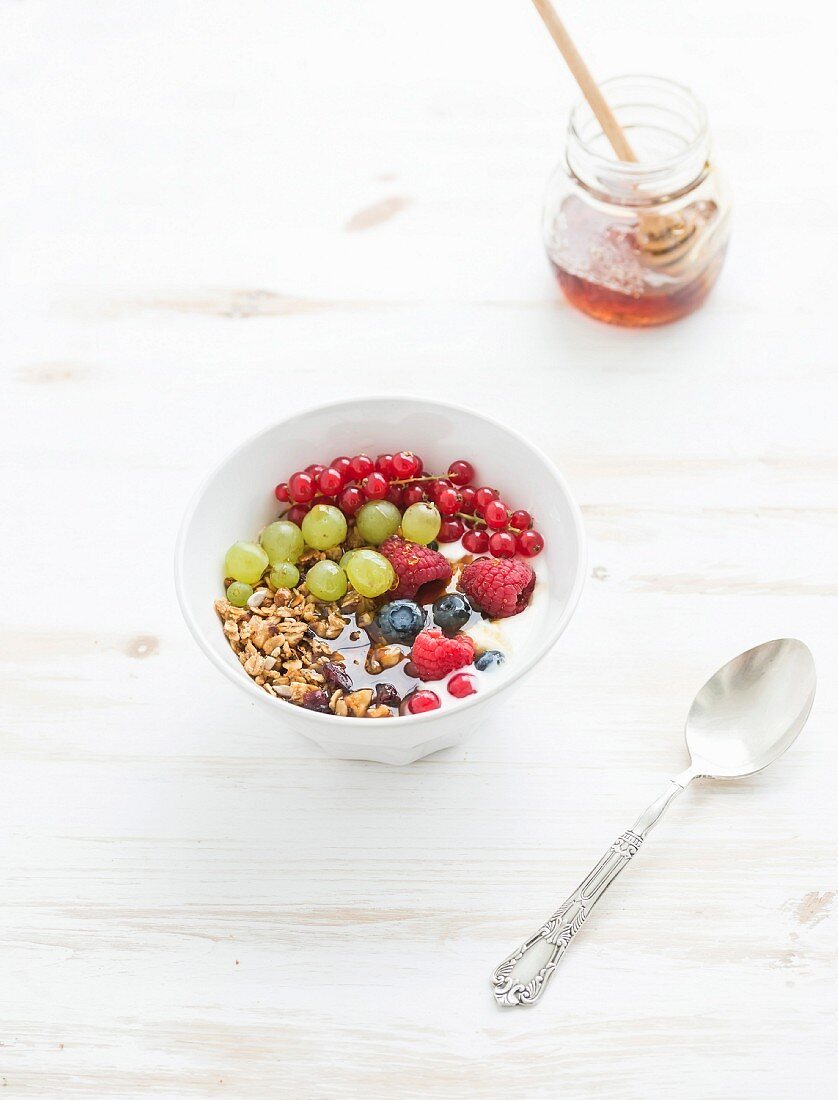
638,243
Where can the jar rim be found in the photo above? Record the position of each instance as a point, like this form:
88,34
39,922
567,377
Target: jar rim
582,114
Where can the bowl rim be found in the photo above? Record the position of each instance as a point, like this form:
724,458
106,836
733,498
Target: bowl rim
350,723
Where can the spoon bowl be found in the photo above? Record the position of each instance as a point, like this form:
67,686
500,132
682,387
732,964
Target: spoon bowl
751,710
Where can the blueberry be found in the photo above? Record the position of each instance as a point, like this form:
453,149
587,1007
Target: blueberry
400,621
451,612
490,659
386,694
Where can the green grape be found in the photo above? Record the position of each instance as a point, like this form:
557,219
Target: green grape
371,573
282,540
284,574
377,520
245,562
421,522
326,580
324,526
238,594
345,560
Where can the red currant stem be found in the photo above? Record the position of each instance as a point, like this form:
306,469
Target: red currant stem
477,519
411,480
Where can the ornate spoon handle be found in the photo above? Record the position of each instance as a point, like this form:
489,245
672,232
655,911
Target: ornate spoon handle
560,929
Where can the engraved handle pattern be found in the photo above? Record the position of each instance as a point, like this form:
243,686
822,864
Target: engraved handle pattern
560,929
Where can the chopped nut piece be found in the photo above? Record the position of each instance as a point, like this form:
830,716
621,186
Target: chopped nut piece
330,627
390,655
257,598
299,690
381,657
379,712
358,702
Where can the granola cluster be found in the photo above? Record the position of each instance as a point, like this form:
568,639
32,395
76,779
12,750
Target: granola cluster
282,641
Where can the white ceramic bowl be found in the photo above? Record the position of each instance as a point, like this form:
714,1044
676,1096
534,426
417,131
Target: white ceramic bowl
236,501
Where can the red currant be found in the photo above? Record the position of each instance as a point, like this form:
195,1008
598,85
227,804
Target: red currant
384,465
483,495
520,520
450,530
467,496
281,493
301,487
461,472
297,513
394,495
315,469
502,544
422,700
495,514
343,464
330,481
476,542
434,488
350,500
418,466
361,466
530,543
404,464
412,495
375,486
448,501
462,685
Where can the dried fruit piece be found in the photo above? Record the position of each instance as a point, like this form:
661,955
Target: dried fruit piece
337,676
386,695
316,700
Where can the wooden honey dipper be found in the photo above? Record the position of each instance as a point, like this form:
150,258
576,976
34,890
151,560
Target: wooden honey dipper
664,238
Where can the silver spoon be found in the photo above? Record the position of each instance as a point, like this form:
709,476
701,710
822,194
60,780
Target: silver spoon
743,718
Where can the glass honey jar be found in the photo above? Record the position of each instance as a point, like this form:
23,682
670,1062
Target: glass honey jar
640,242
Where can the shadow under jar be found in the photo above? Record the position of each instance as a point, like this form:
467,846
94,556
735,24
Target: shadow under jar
642,242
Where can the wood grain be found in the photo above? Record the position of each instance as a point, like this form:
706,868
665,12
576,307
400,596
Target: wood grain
196,904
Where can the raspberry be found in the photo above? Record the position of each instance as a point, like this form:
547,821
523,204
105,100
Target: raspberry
435,655
499,587
414,566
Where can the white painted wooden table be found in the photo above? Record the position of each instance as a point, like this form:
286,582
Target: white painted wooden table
215,213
